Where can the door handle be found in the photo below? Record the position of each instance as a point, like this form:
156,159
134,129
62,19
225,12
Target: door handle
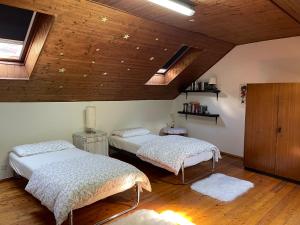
279,129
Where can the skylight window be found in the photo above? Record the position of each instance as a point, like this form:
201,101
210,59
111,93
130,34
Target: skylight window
15,33
177,65
10,50
23,34
173,60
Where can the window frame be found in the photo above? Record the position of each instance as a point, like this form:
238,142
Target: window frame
26,43
179,54
23,70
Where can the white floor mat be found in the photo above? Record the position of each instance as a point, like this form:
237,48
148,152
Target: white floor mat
222,187
150,217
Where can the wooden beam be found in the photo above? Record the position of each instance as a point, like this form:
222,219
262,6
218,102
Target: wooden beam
290,7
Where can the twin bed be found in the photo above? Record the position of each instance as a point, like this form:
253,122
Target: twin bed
65,178
173,152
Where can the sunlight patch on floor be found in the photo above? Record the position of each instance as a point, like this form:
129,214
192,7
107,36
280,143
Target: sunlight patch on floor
179,218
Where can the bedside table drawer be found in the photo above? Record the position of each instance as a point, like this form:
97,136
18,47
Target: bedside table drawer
90,139
100,138
95,143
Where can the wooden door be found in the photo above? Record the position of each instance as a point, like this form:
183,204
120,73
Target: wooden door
288,138
261,127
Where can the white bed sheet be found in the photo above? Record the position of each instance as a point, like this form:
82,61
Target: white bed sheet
24,166
132,144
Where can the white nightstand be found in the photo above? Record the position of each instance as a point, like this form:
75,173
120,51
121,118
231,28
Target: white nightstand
92,142
175,131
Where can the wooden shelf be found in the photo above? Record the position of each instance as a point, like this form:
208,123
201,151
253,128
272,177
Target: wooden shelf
216,116
200,91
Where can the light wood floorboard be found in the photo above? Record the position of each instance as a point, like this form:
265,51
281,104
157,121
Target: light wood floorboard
272,201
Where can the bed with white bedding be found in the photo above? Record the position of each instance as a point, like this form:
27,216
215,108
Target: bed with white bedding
132,145
169,152
68,178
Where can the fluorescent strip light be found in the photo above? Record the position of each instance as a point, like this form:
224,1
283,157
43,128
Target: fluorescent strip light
175,6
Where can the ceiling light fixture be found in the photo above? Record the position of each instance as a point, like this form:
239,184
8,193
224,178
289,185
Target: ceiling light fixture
177,6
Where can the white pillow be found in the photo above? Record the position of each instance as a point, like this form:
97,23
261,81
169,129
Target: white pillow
42,147
131,132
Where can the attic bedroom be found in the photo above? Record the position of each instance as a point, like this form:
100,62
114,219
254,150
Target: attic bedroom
150,112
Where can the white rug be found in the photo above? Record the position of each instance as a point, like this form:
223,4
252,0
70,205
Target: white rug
150,217
221,187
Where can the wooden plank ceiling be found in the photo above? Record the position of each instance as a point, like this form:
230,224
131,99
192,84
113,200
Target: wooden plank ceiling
89,56
234,21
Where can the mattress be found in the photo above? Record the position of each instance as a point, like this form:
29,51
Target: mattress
24,166
132,144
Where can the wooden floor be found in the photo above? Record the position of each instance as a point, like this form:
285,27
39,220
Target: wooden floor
272,201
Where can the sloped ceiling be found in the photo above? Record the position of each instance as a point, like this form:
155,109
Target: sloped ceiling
234,21
87,43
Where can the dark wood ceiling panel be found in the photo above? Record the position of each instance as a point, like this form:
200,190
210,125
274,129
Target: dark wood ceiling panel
291,7
86,56
235,21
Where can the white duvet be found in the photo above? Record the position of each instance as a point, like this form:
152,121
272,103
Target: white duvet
169,152
72,184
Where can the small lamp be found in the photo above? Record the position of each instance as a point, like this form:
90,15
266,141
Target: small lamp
90,119
212,83
172,124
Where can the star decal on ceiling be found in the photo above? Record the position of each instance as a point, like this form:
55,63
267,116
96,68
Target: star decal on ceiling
126,36
104,19
61,70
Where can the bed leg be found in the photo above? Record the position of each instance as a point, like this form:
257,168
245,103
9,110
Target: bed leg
71,218
135,204
182,174
213,163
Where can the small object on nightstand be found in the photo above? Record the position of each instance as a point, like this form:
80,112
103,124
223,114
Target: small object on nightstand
90,119
175,131
92,142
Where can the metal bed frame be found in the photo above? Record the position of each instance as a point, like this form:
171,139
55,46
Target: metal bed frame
135,204
213,161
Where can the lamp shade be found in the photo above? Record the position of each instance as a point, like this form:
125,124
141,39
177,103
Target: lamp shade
212,80
90,117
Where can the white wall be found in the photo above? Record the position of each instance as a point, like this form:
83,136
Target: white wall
271,61
33,122
262,62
